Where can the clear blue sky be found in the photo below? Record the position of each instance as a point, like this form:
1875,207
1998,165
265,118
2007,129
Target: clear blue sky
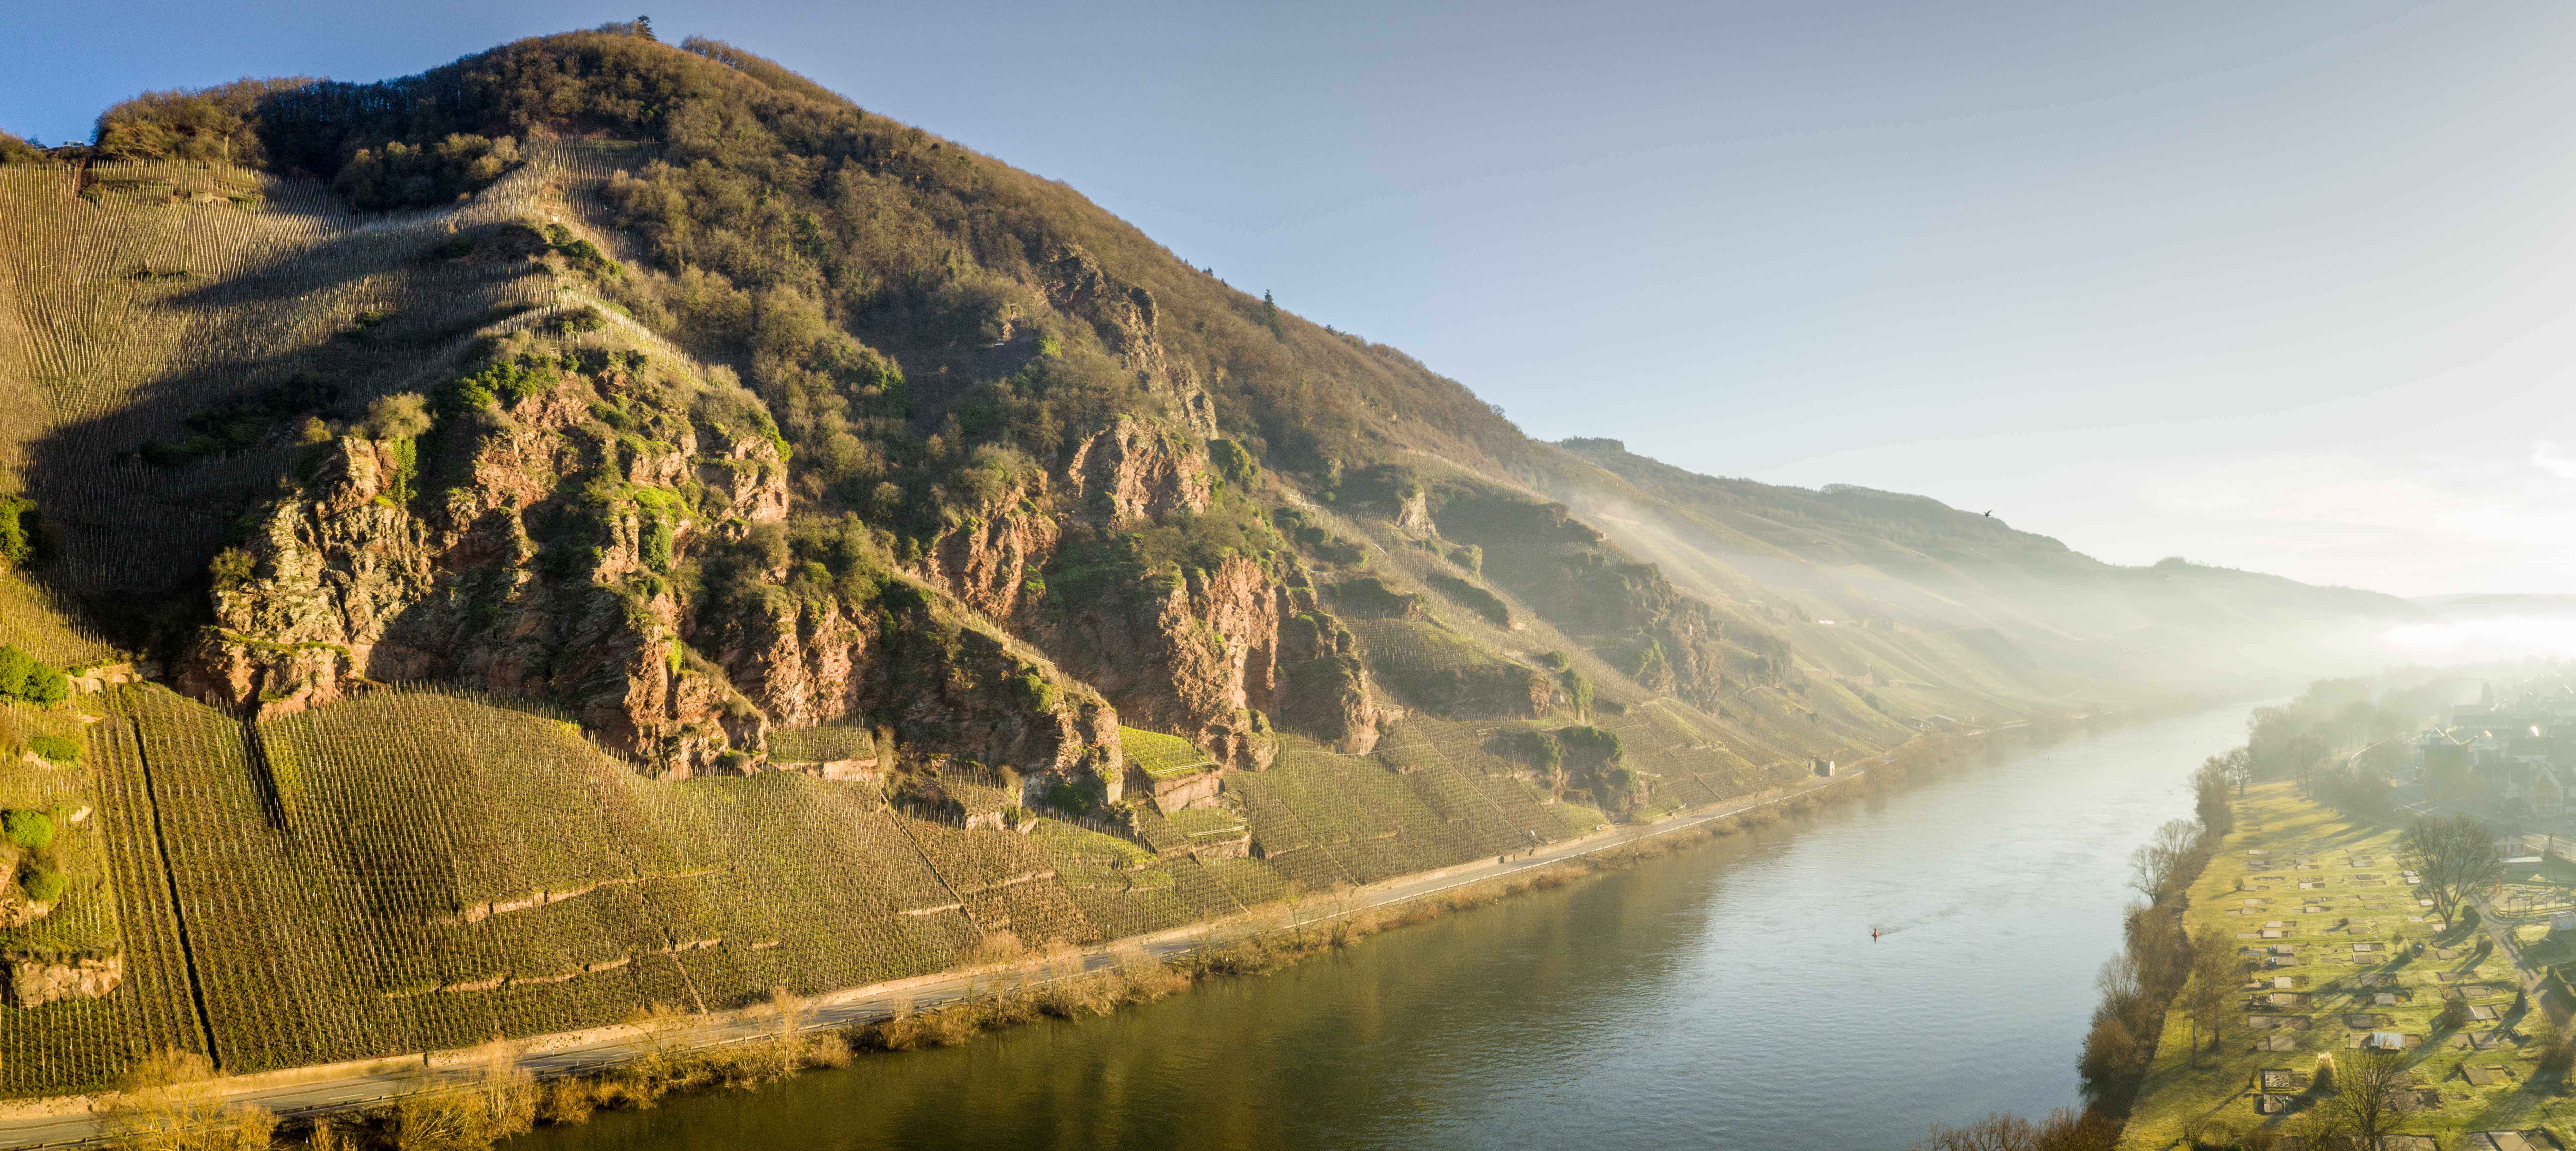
2282,286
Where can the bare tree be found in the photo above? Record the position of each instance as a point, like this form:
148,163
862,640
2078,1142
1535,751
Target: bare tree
2240,769
2320,1129
2216,970
2372,1094
2155,862
1996,1132
2453,856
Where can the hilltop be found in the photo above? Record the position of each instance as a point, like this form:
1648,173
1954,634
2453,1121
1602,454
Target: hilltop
604,523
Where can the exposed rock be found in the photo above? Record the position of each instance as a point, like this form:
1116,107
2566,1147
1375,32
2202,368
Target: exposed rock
1187,652
34,981
1194,652
536,571
955,680
801,661
1137,470
1238,846
988,563
540,564
852,770
99,678
1413,511
1323,685
16,910
1184,791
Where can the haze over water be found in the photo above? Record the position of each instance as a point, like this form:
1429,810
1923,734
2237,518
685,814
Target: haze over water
1726,996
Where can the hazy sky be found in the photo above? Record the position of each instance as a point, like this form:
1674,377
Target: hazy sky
2279,286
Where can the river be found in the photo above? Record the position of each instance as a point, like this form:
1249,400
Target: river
1725,996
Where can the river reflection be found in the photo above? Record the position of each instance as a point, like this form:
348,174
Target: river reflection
1728,996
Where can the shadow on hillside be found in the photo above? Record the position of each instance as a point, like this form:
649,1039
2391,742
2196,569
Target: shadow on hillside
124,526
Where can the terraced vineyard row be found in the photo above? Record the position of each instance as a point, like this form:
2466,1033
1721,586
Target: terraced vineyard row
32,622
416,869
76,1044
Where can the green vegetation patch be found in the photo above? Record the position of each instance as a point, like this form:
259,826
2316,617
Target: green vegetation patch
822,744
1158,755
25,679
19,531
1071,842
32,830
1316,539
399,175
1369,597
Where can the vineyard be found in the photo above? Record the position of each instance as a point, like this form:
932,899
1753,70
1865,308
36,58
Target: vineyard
416,869
1431,667
1157,754
31,621
822,744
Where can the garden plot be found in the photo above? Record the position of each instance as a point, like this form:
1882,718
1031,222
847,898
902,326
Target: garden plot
2349,976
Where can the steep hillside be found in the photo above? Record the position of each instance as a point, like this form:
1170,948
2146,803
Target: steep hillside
602,524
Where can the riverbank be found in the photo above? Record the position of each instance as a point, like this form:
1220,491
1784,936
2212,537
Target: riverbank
2317,905
1612,1012
1317,924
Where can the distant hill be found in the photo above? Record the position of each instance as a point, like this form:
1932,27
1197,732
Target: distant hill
2483,605
1882,559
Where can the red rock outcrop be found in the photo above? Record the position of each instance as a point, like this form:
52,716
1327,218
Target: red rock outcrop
538,568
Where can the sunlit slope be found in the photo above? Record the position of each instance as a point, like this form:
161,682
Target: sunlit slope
416,869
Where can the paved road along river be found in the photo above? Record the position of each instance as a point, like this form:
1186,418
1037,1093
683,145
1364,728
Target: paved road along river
1728,996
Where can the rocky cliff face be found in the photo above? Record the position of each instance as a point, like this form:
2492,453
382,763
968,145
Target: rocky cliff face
539,567
1190,652
539,539
1131,473
1323,686
556,530
1196,651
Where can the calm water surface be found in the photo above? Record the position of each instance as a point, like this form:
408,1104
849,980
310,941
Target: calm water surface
1726,996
